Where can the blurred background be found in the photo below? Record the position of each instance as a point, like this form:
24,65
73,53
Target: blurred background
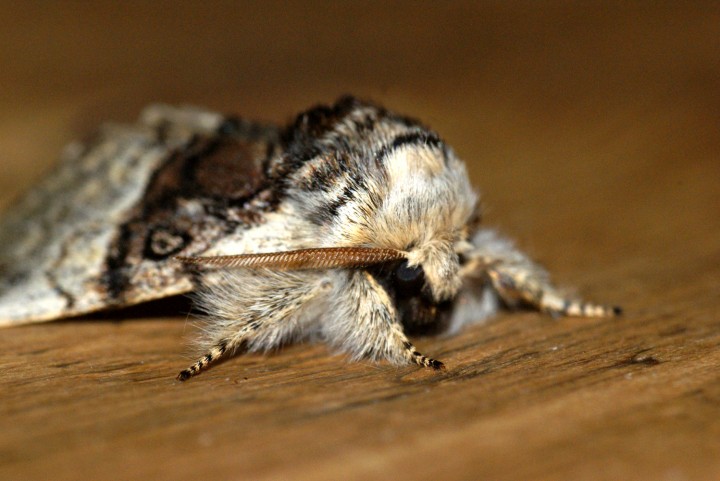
580,121
592,131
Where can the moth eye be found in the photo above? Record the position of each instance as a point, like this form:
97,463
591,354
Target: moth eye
409,280
462,259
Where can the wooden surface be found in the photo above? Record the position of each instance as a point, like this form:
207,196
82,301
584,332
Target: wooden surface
593,134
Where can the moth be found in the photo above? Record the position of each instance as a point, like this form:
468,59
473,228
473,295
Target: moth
353,225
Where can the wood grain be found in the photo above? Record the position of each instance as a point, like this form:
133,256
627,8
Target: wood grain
593,134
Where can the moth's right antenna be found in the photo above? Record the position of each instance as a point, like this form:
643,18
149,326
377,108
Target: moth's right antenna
321,258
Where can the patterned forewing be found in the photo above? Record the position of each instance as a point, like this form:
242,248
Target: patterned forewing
101,229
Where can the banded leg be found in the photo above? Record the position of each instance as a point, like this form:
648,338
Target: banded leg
515,283
421,360
254,309
215,353
517,279
365,324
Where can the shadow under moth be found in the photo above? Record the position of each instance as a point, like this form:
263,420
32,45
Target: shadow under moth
353,225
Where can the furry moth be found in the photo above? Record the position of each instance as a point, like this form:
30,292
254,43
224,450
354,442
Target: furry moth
353,224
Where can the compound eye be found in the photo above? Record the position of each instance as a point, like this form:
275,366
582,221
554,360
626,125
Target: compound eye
409,280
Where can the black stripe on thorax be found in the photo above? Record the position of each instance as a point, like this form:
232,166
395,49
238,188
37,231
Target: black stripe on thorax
355,185
325,176
316,133
420,138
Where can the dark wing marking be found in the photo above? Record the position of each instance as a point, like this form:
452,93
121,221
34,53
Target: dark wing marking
100,231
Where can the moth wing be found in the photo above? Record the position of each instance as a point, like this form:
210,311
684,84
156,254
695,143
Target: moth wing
102,229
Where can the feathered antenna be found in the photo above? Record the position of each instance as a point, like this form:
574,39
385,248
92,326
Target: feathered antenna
321,258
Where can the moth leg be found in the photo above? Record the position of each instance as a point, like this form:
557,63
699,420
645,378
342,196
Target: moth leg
524,284
415,357
215,353
518,280
257,310
365,324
